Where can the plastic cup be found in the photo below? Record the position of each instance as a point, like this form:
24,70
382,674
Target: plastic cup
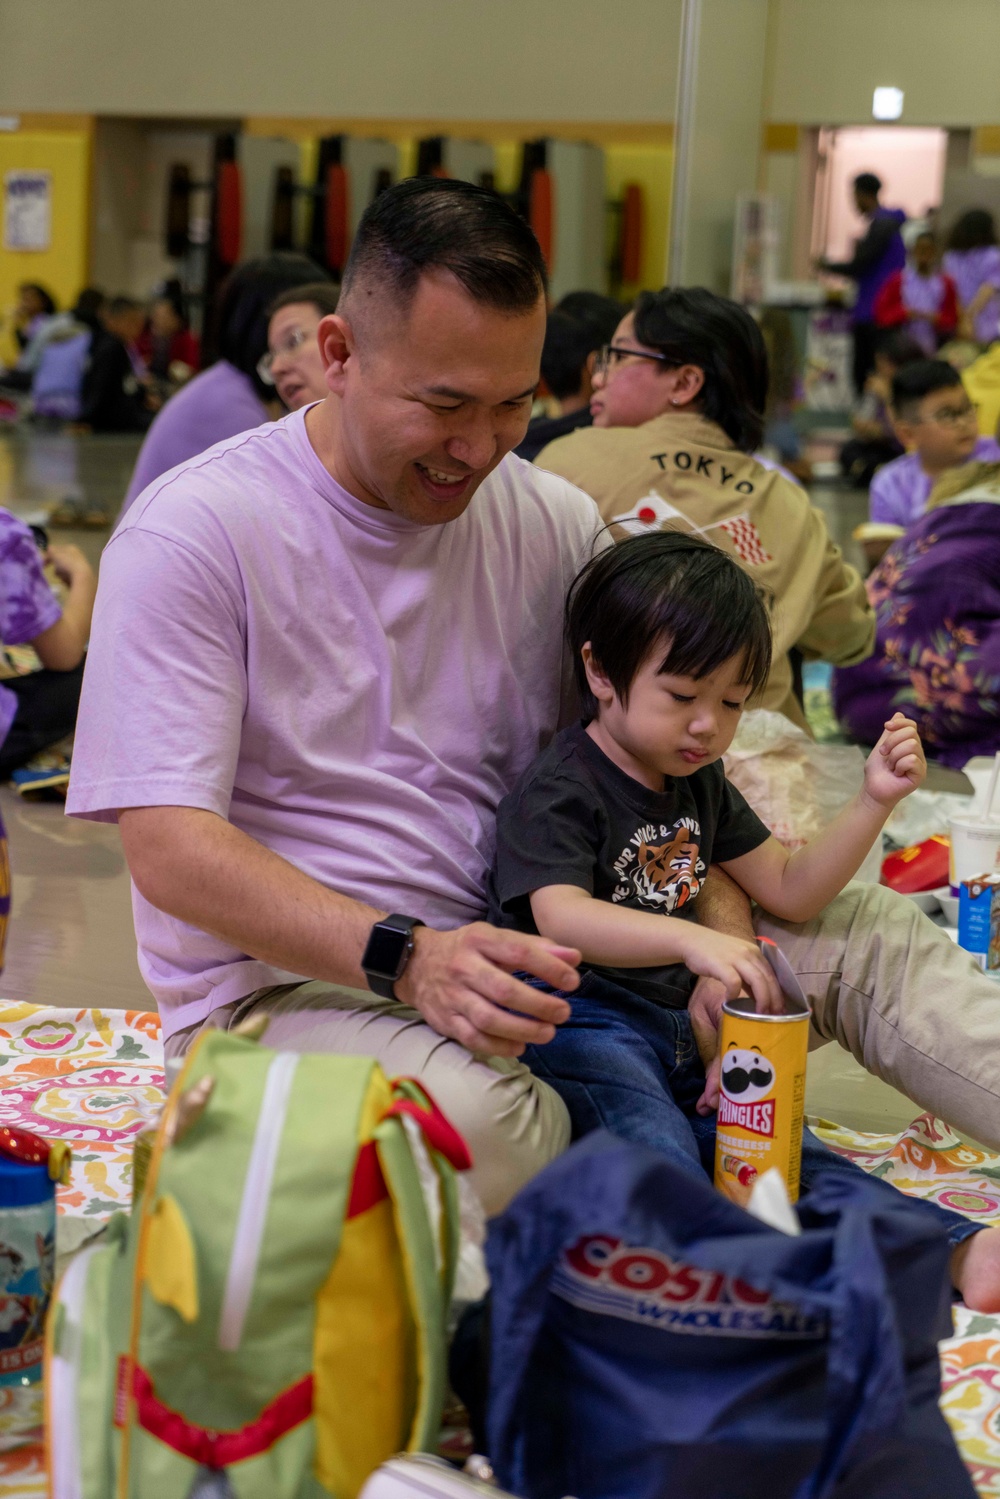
975,849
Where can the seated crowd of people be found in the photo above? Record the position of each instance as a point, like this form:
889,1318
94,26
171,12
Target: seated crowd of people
415,746
411,709
924,446
107,364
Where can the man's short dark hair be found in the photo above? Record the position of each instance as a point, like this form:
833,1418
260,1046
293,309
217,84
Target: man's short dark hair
577,327
119,305
899,346
924,377
666,591
323,295
868,183
568,344
603,313
437,224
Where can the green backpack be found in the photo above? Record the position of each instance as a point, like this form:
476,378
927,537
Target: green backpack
274,1308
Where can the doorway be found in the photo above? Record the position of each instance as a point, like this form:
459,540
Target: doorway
910,161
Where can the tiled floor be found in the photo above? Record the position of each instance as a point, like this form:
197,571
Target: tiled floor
71,941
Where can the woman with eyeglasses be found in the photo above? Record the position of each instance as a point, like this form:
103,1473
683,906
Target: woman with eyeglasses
293,364
678,410
229,396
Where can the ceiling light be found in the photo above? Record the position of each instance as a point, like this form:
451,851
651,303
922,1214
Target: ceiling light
887,103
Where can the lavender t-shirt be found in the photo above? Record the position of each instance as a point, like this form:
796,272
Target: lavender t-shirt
28,607
351,689
971,269
899,492
218,403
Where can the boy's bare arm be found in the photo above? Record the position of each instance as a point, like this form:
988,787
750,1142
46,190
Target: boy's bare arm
617,936
796,886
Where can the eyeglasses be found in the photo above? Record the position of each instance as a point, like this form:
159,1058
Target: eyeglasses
951,417
612,354
289,345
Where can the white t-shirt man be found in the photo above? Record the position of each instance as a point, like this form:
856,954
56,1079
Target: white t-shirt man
353,690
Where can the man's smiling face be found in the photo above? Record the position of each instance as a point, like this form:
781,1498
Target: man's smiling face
429,398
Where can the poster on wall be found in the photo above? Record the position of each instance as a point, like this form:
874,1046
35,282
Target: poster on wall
27,210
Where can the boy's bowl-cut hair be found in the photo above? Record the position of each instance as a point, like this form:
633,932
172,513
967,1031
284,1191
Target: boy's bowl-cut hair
922,377
668,591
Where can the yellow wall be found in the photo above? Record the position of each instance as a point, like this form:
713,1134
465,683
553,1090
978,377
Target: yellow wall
651,167
66,153
639,152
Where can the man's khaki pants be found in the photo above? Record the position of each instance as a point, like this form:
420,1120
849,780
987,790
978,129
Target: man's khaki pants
882,980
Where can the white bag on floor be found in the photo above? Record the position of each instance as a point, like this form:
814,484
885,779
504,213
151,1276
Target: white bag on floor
795,785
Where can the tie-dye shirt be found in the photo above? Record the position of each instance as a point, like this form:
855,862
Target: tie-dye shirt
899,492
28,607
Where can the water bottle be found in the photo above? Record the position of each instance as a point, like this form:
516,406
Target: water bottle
29,1170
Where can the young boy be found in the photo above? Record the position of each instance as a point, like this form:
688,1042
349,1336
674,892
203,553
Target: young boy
874,440
936,423
605,842
920,297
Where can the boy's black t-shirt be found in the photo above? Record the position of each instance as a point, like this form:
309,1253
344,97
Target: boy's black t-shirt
575,818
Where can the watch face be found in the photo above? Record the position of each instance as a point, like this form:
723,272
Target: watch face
386,952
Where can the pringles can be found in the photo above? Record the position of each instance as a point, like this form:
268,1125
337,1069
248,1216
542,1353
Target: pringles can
762,1088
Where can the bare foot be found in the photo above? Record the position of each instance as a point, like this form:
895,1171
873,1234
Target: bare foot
975,1270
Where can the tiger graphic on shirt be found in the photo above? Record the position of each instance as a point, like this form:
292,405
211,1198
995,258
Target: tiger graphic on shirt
660,868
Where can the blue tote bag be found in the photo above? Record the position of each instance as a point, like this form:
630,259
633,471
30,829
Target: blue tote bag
651,1340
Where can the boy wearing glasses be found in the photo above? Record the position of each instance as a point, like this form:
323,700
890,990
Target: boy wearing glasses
936,423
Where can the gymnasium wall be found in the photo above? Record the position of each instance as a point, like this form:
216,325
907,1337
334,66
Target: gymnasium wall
63,148
830,54
441,59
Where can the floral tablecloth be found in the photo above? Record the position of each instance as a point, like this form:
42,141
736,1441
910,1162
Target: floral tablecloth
96,1078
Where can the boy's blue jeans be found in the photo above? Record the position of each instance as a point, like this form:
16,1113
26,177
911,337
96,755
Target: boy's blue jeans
625,1064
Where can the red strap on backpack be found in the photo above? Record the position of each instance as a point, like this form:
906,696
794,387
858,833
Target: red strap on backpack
440,1134
213,1449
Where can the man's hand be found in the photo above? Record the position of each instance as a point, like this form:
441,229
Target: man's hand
462,983
705,1010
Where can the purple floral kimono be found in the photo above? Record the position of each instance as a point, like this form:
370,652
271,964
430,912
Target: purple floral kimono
936,594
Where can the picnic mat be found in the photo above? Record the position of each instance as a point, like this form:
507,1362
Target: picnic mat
96,1078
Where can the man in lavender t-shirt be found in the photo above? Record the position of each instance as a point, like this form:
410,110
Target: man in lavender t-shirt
323,651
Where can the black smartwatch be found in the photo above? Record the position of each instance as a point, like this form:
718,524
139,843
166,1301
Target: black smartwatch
388,952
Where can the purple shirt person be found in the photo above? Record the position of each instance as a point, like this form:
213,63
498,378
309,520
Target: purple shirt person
935,420
923,295
975,272
937,651
217,404
229,397
877,255
28,607
900,491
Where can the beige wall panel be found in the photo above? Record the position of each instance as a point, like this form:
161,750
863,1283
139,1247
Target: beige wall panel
373,58
727,135
831,54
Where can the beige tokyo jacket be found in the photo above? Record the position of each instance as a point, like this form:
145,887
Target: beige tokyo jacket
682,471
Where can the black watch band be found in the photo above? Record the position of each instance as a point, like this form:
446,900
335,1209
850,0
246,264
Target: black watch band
389,949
